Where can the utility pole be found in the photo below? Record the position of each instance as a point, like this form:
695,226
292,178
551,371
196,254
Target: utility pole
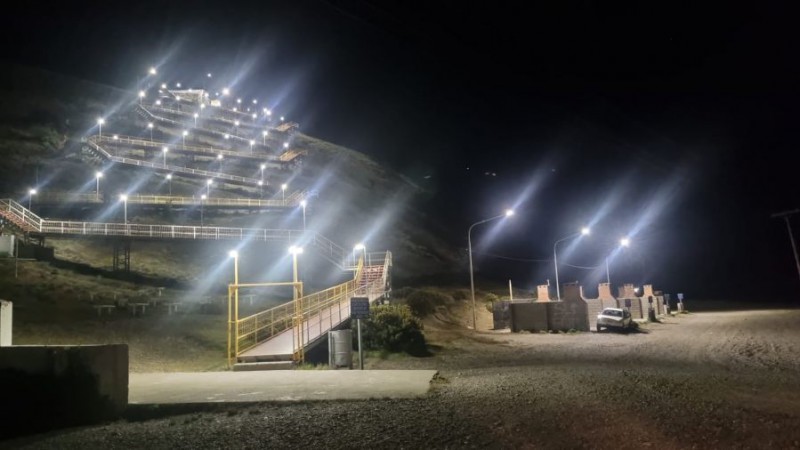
785,215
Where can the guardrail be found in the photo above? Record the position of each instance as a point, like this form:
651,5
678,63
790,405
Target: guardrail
184,148
292,200
179,169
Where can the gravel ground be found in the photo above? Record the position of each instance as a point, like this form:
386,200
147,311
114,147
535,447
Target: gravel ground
705,380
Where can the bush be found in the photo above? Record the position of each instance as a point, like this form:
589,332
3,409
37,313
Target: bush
461,294
402,292
423,302
393,328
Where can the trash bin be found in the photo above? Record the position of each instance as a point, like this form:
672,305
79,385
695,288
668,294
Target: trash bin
340,348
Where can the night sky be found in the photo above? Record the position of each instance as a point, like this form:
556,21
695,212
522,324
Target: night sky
672,123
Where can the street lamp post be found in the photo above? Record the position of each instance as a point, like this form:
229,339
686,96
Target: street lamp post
359,247
508,213
100,122
263,166
264,134
584,232
303,203
261,188
294,250
165,150
141,97
231,320
169,180
184,134
283,193
31,193
252,143
202,199
150,127
209,182
195,119
124,199
97,176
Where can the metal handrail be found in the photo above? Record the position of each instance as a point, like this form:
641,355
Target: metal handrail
184,148
60,197
167,167
257,328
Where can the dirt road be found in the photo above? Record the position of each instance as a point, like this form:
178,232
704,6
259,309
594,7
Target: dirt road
706,380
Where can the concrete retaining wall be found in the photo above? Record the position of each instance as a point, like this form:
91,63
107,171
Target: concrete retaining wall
529,316
579,313
45,387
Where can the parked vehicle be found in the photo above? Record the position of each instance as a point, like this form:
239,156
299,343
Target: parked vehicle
614,318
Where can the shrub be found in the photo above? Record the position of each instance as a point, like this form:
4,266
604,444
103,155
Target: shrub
402,292
393,328
461,294
423,302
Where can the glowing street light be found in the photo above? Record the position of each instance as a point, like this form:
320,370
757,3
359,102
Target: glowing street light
97,176
141,96
227,136
178,84
150,127
263,166
584,231
239,101
359,247
283,192
285,145
252,143
264,134
115,137
282,118
225,91
202,106
165,150
624,242
195,119
31,193
236,123
508,213
209,75
294,251
303,204
124,199
100,122
254,116
184,134
169,179
209,182
255,102
158,102
152,71
163,85
260,188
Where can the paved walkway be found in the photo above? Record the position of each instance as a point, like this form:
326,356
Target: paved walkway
282,385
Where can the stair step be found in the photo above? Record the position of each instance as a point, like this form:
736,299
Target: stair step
264,365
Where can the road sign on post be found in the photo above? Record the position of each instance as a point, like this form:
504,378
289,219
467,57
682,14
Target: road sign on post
359,309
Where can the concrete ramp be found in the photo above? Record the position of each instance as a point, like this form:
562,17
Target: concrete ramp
269,386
